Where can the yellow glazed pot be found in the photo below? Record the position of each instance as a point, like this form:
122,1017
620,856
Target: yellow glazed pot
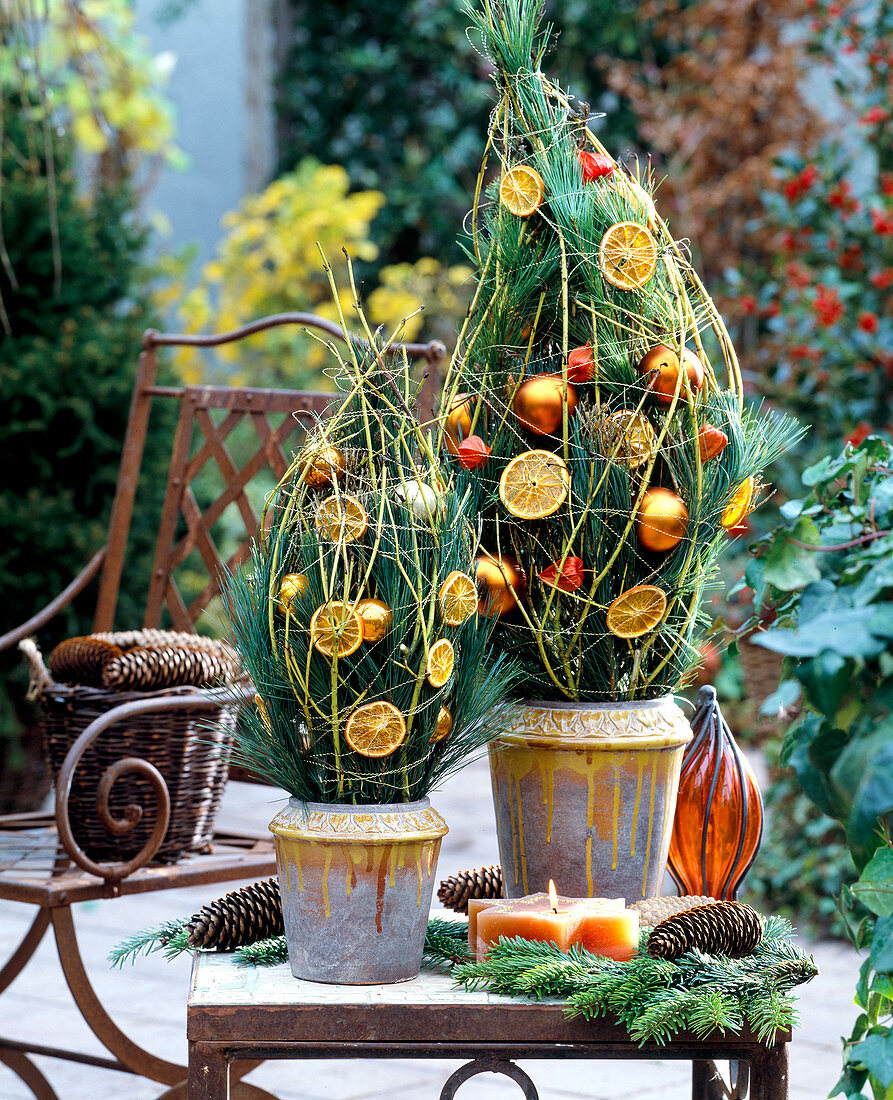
356,886
585,794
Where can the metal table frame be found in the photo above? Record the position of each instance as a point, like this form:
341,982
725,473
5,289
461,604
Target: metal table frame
264,1015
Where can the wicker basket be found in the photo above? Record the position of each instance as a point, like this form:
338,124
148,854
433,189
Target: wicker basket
761,669
190,748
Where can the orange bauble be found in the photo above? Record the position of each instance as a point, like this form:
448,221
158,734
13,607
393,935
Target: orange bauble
539,403
458,422
496,575
661,521
661,366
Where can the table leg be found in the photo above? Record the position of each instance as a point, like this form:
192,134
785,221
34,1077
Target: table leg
706,1083
208,1072
769,1077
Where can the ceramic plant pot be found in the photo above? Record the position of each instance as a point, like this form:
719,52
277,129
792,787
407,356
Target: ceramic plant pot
585,794
356,887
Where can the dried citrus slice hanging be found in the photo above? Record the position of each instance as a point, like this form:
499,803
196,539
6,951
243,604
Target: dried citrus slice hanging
628,255
336,630
534,484
458,598
739,505
521,190
375,729
443,727
342,519
441,658
637,611
632,435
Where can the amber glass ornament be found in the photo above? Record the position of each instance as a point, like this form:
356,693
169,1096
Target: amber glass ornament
719,810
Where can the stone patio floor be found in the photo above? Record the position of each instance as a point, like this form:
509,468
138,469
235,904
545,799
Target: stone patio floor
148,999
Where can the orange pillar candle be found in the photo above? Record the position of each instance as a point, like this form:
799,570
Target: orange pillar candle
601,925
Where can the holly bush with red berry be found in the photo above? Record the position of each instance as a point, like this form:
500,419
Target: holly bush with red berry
818,324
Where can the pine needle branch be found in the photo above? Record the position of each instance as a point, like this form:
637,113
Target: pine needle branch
169,937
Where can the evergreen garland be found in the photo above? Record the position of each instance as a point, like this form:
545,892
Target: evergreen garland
657,998
653,998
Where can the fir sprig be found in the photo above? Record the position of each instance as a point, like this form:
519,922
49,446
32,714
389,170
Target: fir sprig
655,998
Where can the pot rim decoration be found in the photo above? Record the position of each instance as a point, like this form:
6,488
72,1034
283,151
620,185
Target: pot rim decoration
330,821
603,724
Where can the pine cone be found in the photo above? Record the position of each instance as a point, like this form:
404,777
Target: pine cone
654,910
157,639
483,882
144,669
82,661
241,917
726,927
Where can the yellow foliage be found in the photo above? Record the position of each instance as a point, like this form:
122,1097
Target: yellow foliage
98,76
269,261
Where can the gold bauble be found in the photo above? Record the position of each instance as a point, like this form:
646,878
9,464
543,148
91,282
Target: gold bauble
661,521
458,422
443,727
320,468
660,366
495,575
376,617
293,586
539,403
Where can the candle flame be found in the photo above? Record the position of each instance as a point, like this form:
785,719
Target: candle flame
553,896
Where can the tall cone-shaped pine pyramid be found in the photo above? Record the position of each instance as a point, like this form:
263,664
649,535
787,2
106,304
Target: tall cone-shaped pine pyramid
593,411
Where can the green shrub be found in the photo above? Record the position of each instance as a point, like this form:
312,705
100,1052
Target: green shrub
74,308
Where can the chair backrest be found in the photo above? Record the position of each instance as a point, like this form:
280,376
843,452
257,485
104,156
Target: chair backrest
228,441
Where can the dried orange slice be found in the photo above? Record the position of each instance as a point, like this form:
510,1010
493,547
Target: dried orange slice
441,658
336,630
458,598
636,611
739,505
375,729
521,190
342,519
534,484
628,255
633,436
443,727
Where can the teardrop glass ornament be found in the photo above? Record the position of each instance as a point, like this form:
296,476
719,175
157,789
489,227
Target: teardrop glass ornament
719,810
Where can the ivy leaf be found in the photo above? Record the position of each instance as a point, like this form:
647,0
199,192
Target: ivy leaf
811,748
787,566
875,886
873,797
825,679
876,1054
786,695
882,945
847,632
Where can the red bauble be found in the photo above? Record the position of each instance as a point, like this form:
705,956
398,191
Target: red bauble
581,364
595,166
568,578
711,442
473,453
